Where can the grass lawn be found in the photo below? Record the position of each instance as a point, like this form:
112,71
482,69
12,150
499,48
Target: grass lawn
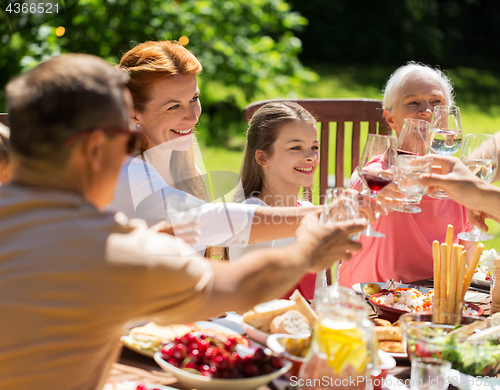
476,95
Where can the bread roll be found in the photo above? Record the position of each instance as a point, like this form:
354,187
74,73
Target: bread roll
304,307
392,346
291,322
381,322
262,315
388,333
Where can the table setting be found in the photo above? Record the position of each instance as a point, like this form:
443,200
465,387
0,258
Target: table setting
435,333
135,368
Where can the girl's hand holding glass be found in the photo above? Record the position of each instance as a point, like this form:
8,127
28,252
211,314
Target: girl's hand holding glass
339,205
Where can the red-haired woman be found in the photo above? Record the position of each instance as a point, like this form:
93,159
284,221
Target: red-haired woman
165,93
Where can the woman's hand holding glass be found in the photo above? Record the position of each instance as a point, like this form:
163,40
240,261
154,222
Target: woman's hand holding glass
479,153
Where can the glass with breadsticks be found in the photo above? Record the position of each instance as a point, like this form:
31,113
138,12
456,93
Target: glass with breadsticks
452,278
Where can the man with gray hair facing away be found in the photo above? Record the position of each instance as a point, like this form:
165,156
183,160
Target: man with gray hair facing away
72,275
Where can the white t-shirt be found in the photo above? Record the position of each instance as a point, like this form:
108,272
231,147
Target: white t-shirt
236,252
141,192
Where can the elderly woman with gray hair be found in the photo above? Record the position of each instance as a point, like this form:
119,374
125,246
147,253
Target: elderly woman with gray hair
405,254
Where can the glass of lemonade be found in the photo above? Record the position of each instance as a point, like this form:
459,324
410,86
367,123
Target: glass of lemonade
343,346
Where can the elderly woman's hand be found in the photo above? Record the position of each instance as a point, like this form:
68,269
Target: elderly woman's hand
390,195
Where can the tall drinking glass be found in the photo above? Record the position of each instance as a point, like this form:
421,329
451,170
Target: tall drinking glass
445,137
376,168
410,167
479,153
413,142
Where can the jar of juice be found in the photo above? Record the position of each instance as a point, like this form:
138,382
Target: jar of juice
343,347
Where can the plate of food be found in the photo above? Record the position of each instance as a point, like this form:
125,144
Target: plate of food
391,304
288,316
480,279
150,338
390,338
372,288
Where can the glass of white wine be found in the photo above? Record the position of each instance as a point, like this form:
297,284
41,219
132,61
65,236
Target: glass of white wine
479,153
445,136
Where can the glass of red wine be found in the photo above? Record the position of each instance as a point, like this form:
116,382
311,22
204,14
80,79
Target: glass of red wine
376,168
412,141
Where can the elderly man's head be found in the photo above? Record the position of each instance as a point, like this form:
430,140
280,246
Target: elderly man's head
412,91
61,97
70,116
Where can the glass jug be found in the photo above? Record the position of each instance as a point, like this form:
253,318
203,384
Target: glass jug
343,348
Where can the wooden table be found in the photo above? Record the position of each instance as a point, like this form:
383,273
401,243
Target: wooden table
136,367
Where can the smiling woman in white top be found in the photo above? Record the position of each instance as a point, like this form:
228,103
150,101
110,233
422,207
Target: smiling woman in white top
281,155
166,108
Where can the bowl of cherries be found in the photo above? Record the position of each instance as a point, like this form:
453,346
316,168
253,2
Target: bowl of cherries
203,362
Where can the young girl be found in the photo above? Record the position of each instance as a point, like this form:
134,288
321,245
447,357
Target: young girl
281,155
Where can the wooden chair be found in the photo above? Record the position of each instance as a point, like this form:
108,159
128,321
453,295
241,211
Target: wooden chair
4,119
337,111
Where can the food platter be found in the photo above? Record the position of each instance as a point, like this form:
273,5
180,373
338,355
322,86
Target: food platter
470,296
358,287
135,344
392,314
479,280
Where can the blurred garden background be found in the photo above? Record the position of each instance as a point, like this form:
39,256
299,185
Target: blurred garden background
257,49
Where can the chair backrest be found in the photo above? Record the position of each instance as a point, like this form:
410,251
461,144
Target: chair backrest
337,111
4,118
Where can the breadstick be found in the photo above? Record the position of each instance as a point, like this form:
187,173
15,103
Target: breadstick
444,279
472,268
437,269
462,266
452,294
449,235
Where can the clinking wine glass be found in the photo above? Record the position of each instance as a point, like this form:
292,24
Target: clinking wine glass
479,153
376,168
413,142
445,136
339,205
410,167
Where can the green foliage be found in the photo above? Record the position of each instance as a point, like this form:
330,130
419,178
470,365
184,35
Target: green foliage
447,32
246,44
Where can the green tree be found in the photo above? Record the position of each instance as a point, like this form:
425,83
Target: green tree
246,45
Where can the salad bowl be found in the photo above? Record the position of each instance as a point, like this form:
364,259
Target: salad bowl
422,338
